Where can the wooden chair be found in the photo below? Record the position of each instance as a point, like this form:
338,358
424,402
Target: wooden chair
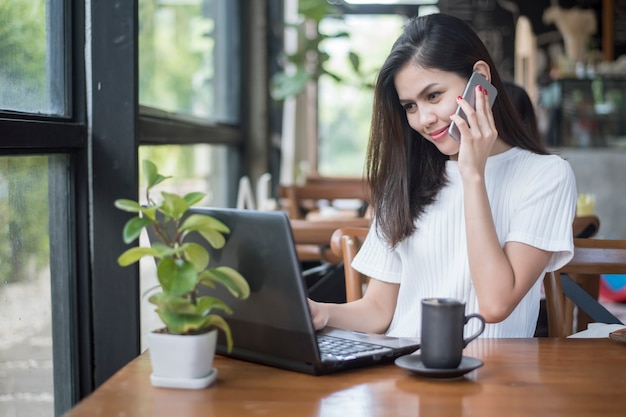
345,243
313,238
592,257
312,233
586,226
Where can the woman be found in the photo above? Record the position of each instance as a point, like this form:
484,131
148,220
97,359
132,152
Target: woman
480,220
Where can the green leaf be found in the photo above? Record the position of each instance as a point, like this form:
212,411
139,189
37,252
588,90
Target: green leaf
338,35
355,61
132,255
128,205
197,255
332,75
316,10
213,320
209,228
178,323
197,222
284,85
229,278
162,250
150,171
133,228
193,198
215,239
150,212
173,304
206,304
152,175
173,205
177,276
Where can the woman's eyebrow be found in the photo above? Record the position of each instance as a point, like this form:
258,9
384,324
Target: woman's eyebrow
423,92
426,89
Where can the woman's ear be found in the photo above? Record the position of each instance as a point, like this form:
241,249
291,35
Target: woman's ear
483,68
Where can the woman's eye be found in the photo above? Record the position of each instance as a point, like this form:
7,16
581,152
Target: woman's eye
433,96
409,106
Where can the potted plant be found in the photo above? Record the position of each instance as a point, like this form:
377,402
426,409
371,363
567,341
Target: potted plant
182,270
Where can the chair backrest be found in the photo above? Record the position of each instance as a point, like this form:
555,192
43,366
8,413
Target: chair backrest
299,199
345,243
313,238
592,257
586,226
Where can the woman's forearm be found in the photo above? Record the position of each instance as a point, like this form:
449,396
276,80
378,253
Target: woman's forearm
501,275
372,313
492,275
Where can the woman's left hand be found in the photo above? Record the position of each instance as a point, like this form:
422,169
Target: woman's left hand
478,134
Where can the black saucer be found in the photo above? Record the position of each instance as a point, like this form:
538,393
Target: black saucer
414,364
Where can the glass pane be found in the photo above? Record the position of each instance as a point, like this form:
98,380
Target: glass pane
32,57
344,124
193,168
26,380
188,57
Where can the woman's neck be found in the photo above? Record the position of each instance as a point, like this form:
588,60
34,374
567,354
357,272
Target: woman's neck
498,147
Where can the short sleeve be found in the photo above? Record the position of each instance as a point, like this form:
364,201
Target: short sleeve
546,211
377,260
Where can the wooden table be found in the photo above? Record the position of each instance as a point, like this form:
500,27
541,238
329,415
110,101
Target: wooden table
521,377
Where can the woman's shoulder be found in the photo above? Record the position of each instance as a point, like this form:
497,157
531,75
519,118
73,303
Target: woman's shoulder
521,163
550,162
530,159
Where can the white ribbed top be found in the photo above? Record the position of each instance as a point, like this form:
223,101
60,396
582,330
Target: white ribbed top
533,200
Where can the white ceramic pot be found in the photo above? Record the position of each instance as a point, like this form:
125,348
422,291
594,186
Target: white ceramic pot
182,361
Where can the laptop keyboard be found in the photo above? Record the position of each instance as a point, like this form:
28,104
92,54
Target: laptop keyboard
334,348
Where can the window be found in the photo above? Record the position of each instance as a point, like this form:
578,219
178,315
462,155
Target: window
25,288
32,73
188,58
190,87
71,132
38,130
343,124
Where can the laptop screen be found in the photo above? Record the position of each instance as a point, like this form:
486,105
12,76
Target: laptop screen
275,319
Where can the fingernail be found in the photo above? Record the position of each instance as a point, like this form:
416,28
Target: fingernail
459,98
480,88
485,91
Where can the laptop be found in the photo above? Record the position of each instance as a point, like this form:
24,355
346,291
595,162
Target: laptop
273,326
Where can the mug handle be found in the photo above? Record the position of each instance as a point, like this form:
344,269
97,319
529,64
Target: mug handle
479,332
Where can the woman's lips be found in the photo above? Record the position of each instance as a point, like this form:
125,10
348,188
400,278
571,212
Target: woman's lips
438,134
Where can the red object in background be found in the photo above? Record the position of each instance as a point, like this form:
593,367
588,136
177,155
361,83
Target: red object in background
613,288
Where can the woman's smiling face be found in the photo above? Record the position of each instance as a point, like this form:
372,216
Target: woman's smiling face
429,98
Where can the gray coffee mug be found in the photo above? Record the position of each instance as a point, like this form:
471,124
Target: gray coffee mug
442,343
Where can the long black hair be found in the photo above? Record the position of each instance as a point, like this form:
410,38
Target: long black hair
406,172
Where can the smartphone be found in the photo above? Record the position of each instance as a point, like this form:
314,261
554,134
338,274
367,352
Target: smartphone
475,80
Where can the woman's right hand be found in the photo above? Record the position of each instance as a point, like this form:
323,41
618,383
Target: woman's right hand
370,314
319,314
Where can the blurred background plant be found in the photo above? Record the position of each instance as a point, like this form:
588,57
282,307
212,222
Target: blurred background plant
309,61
